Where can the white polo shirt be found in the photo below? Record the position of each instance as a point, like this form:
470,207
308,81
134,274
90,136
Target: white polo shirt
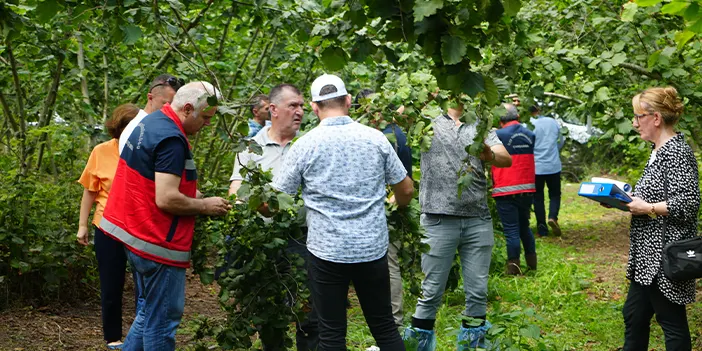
129,129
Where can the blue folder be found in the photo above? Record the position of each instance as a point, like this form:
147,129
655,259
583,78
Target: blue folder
606,193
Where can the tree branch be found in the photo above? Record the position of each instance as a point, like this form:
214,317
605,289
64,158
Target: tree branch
641,70
241,64
48,109
225,33
168,53
8,114
18,90
197,49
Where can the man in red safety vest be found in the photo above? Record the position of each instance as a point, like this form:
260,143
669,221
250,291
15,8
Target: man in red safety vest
152,208
514,189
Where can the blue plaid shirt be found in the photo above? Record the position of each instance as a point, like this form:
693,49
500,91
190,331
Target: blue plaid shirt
343,168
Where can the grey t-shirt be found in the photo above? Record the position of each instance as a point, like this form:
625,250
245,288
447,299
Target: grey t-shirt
440,166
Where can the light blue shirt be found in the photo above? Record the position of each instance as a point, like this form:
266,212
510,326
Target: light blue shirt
549,142
343,168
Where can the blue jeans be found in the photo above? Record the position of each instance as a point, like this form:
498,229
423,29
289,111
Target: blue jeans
473,237
553,181
161,300
514,214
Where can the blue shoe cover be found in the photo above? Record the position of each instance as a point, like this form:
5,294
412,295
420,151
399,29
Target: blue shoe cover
419,339
472,338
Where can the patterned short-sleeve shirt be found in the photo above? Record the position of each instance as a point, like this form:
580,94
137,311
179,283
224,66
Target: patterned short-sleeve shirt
343,168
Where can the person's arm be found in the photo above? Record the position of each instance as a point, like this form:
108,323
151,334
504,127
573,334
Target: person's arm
561,137
234,187
494,152
403,191
86,203
171,200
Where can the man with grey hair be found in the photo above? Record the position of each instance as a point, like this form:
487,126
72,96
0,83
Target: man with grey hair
152,207
286,109
513,190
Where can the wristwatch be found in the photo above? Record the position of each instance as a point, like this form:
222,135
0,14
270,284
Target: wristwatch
652,212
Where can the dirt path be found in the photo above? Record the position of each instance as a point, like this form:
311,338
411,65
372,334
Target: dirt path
79,327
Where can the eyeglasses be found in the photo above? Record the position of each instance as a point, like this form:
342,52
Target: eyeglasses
638,116
173,82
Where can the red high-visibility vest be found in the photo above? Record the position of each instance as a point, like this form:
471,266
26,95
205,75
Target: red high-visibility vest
131,215
521,176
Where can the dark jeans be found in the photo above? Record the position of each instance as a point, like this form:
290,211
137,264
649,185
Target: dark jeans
307,331
514,214
112,261
329,285
553,181
641,304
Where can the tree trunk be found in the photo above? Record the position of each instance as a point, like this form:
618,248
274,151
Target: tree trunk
84,86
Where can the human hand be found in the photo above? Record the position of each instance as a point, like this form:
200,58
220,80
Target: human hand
487,154
215,206
638,207
83,235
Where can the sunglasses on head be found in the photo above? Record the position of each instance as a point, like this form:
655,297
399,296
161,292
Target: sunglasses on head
173,82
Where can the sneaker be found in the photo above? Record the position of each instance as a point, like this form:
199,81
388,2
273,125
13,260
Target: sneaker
419,339
472,338
373,348
555,228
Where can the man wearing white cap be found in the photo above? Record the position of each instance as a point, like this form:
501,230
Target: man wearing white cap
343,168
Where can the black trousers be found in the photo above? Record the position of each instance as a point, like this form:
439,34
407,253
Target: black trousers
329,286
641,304
112,262
553,181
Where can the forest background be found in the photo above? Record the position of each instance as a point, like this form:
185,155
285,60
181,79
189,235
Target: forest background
66,64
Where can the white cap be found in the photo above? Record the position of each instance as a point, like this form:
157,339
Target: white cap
324,80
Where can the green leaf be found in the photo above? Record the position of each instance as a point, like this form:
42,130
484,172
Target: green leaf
452,50
207,276
588,87
243,128
618,46
46,10
212,100
629,11
131,34
674,8
646,3
692,12
334,58
491,93
696,27
512,7
244,191
602,94
653,59
682,38
426,8
473,84
285,201
618,58
538,91
624,127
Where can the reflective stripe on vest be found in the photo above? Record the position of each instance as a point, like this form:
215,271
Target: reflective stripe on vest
141,245
508,189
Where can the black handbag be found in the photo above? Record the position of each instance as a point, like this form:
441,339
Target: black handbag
682,259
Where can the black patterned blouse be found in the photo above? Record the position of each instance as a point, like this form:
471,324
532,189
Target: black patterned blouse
676,162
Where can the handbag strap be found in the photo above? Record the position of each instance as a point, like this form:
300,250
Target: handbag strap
665,195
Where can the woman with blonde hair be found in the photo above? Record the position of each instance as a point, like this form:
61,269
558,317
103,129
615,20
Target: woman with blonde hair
112,260
666,200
